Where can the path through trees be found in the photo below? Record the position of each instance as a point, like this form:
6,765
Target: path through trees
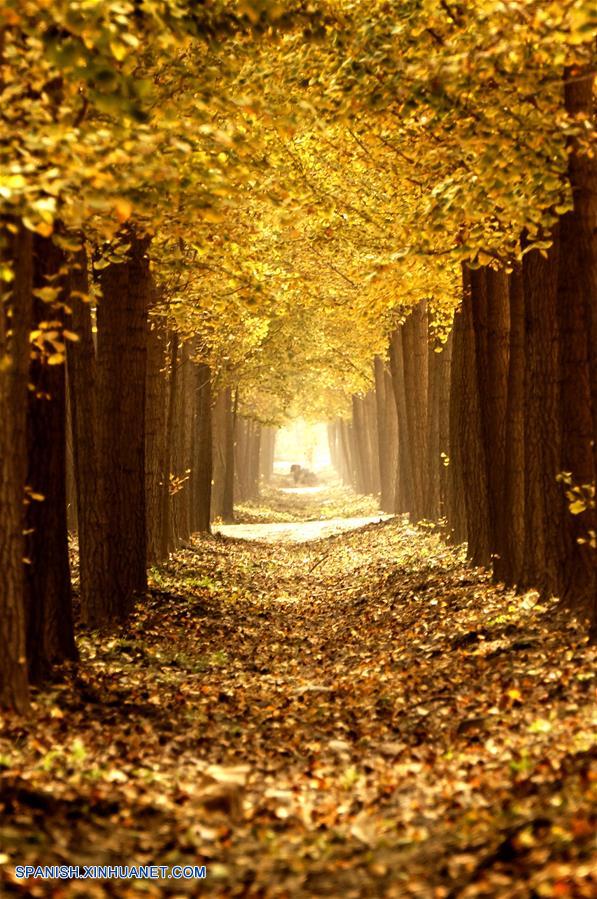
224,222
360,715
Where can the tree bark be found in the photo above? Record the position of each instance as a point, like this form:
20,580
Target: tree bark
577,318
514,472
50,629
445,367
202,457
231,430
94,576
384,438
492,366
431,479
405,498
360,445
456,512
166,541
415,348
546,544
470,429
122,358
156,396
15,323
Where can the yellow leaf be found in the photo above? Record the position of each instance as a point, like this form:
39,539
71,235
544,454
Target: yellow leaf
55,359
45,229
119,51
208,214
123,209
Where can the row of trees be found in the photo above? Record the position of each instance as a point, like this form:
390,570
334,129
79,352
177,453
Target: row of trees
493,432
217,214
139,404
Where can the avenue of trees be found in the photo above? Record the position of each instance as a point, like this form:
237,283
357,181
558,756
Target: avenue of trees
216,216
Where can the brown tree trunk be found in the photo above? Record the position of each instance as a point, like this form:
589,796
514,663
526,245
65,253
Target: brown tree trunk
94,575
405,496
122,358
50,630
431,480
347,454
15,323
456,512
492,366
470,430
231,429
241,459
514,472
166,542
545,539
181,448
445,366
155,435
415,349
392,432
385,438
577,317
370,419
268,444
253,459
202,457
219,423
360,448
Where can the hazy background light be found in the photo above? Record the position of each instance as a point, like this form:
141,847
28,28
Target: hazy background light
302,443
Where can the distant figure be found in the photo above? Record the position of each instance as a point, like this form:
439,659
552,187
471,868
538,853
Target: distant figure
303,476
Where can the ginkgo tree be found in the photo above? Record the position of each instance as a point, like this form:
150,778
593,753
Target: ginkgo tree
250,210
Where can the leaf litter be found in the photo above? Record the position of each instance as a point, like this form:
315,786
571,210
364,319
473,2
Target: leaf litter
363,715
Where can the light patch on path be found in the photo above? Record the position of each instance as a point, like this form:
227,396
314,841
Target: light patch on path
317,489
296,531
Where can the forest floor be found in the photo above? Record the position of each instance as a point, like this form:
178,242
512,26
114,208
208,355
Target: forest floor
359,716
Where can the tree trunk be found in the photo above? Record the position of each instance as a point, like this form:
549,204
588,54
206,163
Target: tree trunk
268,445
470,429
492,366
202,457
545,539
347,453
155,435
431,480
50,630
577,316
231,429
445,367
360,445
415,348
166,542
122,357
385,438
514,472
15,323
456,512
405,496
370,418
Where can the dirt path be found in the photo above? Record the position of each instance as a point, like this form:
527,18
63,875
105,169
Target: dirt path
296,531
360,716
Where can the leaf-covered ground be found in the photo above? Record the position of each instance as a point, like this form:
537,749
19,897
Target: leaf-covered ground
361,716
283,502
